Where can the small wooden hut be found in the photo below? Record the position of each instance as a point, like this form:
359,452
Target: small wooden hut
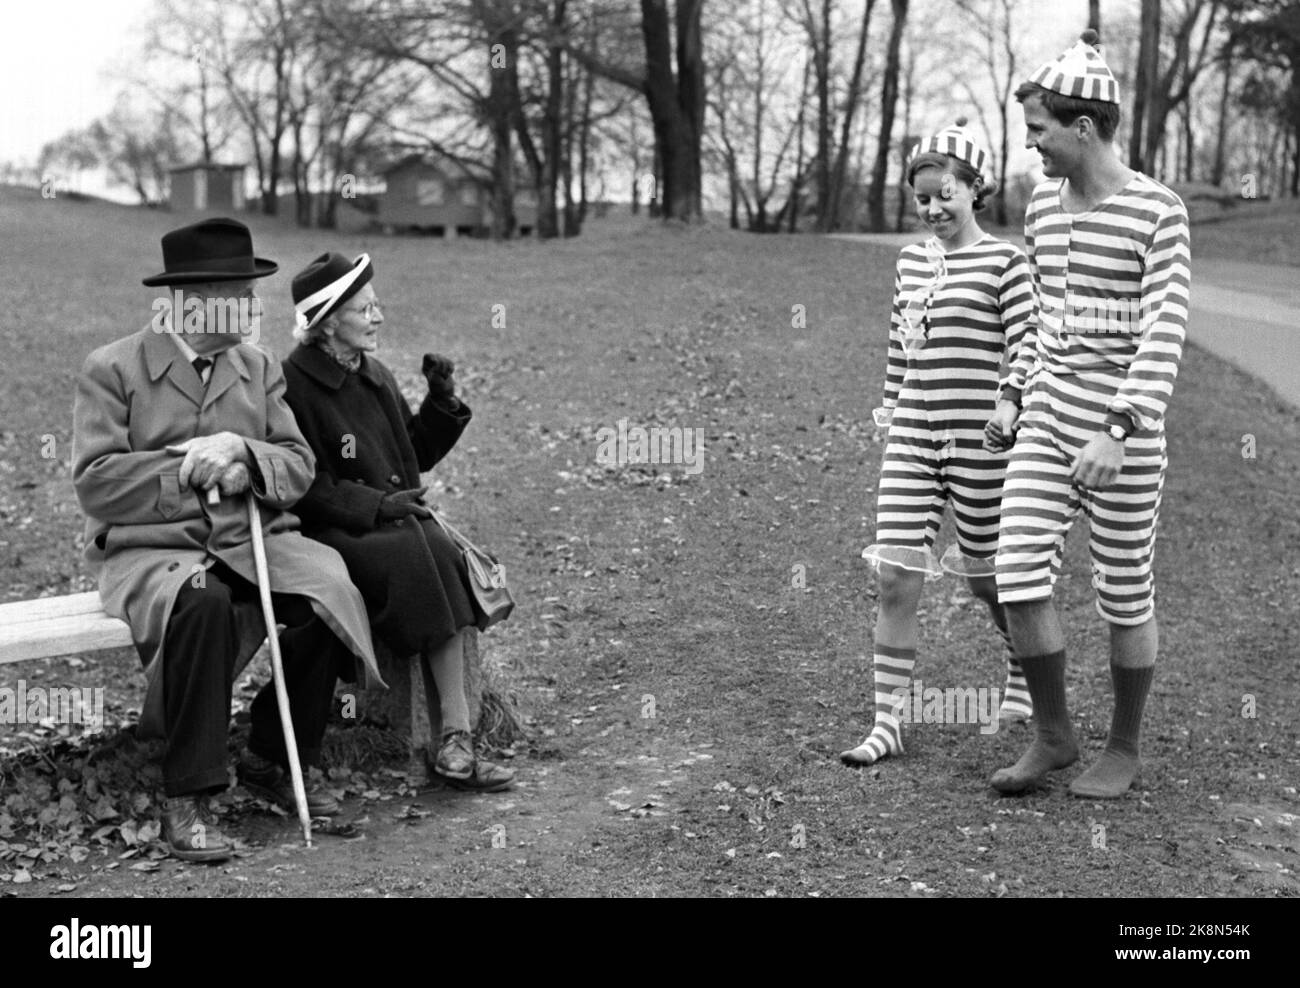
427,196
207,187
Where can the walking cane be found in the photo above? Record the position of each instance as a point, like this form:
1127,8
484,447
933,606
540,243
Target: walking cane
277,664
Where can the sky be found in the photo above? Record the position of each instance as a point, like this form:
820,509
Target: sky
56,57
57,61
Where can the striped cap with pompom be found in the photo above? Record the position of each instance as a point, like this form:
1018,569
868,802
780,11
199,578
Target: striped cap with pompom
956,142
1080,72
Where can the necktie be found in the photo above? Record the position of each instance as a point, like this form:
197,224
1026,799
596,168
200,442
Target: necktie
201,365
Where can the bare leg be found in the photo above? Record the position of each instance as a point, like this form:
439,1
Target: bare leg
893,661
1038,642
1132,665
447,663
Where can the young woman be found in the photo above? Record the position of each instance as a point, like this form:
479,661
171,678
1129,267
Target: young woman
962,301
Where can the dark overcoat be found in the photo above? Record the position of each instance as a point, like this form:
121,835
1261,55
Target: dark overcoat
367,444
146,535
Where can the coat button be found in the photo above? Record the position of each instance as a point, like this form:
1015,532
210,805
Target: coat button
173,567
394,480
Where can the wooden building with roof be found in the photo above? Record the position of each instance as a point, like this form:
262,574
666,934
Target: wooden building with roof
206,187
426,196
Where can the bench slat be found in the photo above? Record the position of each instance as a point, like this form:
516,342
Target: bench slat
62,635
23,611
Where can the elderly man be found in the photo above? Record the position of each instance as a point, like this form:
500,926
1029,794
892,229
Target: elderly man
162,418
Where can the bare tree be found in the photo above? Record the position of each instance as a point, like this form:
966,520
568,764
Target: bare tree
1172,88
888,100
1147,70
992,23
672,81
830,220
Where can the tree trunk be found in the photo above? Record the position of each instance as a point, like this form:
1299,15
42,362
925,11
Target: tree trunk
796,183
1221,139
498,111
888,99
822,67
1144,82
584,142
1094,16
676,105
831,219
1295,161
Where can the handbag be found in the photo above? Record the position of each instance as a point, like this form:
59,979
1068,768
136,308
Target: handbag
487,577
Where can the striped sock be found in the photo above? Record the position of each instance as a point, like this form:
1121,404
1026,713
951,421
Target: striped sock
1017,705
892,671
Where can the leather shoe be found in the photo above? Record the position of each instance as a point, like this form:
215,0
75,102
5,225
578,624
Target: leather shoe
269,781
190,829
486,777
456,756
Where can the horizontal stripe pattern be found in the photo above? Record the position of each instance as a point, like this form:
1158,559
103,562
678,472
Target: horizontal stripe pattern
1112,288
1040,503
976,305
956,320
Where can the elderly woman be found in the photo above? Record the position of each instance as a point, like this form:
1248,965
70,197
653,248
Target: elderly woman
366,499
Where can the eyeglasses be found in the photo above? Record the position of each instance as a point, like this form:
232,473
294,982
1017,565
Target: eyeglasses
368,311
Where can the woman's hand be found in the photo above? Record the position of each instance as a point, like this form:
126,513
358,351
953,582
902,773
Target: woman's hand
438,371
400,504
1000,431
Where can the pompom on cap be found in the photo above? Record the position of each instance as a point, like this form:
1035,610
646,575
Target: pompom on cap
1090,37
961,121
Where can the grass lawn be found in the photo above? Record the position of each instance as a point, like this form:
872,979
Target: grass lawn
685,698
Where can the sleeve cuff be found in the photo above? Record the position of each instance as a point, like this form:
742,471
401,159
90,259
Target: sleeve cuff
1010,393
1122,420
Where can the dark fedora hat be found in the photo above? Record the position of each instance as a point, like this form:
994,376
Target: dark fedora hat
326,283
217,249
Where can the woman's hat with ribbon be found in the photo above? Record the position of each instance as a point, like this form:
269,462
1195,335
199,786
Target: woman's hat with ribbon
1080,72
325,284
216,249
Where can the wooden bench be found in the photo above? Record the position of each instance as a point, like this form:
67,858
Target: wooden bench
49,627
54,626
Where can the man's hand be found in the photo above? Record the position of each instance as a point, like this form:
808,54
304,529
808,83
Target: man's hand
208,457
438,371
399,504
1000,430
234,480
1099,463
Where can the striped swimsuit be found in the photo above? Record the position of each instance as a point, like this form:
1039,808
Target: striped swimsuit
955,319
1112,288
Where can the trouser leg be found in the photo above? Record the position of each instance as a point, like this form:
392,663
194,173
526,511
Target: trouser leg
312,657
199,651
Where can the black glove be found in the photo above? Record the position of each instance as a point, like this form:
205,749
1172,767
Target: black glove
438,372
399,504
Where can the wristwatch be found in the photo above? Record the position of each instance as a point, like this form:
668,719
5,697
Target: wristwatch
1117,433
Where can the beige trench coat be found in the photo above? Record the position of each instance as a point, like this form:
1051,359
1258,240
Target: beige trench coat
145,535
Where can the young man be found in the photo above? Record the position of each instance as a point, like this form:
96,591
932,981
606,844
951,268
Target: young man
162,417
1108,248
